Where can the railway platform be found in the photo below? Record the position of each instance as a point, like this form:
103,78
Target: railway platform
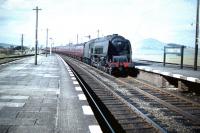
43,98
172,70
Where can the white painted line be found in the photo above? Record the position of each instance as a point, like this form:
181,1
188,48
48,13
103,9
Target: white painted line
172,88
10,104
139,67
73,78
156,71
58,92
14,97
147,69
71,75
165,73
142,69
177,75
50,76
81,97
75,82
57,111
192,79
78,88
70,72
95,129
87,110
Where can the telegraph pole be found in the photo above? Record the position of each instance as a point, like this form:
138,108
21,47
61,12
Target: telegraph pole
22,41
98,33
47,41
36,34
51,45
197,37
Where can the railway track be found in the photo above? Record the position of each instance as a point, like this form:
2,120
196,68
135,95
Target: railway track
12,58
133,106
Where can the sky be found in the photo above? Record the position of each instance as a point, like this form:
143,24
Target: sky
169,21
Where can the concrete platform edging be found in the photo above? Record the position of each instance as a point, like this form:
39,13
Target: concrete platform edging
165,73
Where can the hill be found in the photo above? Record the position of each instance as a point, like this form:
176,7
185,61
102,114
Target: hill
151,44
5,45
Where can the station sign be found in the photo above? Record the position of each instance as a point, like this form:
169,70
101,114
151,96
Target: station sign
178,50
173,50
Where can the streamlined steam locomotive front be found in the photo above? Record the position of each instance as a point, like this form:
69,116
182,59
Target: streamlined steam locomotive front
120,56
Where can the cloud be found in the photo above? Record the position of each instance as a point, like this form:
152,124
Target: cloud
165,20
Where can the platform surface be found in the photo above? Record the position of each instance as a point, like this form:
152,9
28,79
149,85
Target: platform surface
43,98
175,71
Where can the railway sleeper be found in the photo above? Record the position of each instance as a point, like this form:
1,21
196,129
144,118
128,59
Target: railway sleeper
182,106
136,126
123,117
112,102
132,121
116,112
107,98
117,109
134,129
106,95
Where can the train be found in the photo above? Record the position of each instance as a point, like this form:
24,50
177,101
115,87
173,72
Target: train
112,54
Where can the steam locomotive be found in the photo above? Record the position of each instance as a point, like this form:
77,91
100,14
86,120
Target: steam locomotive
111,54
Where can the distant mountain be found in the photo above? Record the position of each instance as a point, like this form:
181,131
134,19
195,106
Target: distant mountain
5,45
151,44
